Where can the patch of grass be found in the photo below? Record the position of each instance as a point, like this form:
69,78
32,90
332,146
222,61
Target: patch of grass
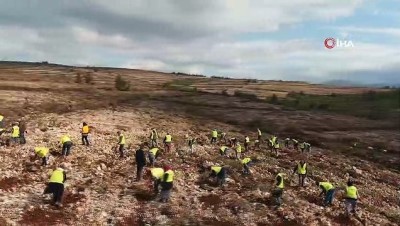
371,105
250,96
184,85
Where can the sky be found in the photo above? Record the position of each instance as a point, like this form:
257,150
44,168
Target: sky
262,39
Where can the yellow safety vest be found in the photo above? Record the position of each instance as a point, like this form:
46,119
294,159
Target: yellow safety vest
239,148
154,151
216,169
122,138
214,134
301,169
246,160
168,138
85,129
259,132
157,172
247,139
302,145
223,148
351,192
280,185
170,177
64,139
1,118
154,134
57,176
276,145
326,185
15,132
41,151
273,139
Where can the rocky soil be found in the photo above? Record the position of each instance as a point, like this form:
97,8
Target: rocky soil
101,190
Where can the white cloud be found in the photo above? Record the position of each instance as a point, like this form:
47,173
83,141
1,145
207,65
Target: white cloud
372,30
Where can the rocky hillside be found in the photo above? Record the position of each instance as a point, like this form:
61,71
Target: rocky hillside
101,189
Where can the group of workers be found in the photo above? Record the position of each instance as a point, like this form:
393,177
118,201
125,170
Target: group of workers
164,176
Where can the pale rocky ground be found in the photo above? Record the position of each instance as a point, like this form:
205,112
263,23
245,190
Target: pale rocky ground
101,190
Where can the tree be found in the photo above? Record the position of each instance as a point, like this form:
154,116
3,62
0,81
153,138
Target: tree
121,84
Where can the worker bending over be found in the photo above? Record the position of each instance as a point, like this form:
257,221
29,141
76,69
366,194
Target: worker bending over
153,154
224,150
328,190
56,185
156,174
66,145
220,173
246,162
43,153
167,183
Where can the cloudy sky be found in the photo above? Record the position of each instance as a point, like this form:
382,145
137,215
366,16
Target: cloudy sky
266,39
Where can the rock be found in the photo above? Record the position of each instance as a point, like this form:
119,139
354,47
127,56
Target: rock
103,166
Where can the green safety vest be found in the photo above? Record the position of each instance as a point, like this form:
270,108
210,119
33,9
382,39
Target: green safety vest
57,176
223,148
351,192
214,134
301,169
157,172
154,151
326,185
41,151
122,138
239,148
168,138
216,169
64,139
15,132
280,185
246,160
170,177
154,134
1,118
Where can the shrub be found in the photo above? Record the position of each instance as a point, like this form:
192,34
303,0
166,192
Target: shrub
250,96
121,84
88,78
273,99
78,78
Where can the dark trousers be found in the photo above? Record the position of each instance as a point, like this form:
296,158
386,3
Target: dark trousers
57,190
246,169
277,194
329,197
302,178
152,159
22,139
85,140
246,146
156,185
167,146
121,150
139,172
221,177
213,140
44,161
166,188
66,148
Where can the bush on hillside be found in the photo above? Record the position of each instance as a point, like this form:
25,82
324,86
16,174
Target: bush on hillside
121,84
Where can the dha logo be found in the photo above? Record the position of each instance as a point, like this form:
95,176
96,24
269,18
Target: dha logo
330,43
